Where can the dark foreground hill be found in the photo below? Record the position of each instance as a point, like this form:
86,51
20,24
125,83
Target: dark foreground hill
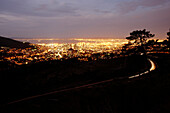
146,94
44,77
7,42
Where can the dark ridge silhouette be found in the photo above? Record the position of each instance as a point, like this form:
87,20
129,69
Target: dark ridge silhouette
7,42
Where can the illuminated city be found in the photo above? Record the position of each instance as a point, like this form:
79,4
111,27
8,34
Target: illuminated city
85,56
83,50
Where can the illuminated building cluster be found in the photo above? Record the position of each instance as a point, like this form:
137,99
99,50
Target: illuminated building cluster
82,50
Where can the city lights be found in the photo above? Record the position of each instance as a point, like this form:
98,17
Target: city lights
82,49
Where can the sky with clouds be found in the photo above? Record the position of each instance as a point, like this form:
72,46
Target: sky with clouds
83,18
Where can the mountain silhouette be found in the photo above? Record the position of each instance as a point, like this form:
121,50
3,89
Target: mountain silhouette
7,42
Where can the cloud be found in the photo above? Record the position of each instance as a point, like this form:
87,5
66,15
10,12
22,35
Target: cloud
71,18
3,19
102,11
132,5
58,8
41,8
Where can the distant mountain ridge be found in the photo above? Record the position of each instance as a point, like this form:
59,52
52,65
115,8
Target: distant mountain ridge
7,42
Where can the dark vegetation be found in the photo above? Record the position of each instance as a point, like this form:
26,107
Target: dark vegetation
145,94
43,77
140,37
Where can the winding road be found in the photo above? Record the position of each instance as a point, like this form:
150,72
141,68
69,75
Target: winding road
153,67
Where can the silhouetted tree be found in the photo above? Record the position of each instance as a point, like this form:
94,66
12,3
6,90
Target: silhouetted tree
168,35
168,39
139,37
152,42
125,49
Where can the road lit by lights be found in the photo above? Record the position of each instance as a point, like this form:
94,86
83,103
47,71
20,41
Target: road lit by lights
153,67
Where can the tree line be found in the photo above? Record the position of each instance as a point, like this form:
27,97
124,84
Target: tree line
139,39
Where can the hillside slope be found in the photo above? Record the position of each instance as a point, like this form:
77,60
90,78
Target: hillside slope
7,42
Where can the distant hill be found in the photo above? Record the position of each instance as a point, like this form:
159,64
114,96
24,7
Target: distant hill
7,42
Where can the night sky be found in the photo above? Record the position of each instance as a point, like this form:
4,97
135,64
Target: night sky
83,18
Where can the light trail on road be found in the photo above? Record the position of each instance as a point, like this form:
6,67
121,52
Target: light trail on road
153,67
